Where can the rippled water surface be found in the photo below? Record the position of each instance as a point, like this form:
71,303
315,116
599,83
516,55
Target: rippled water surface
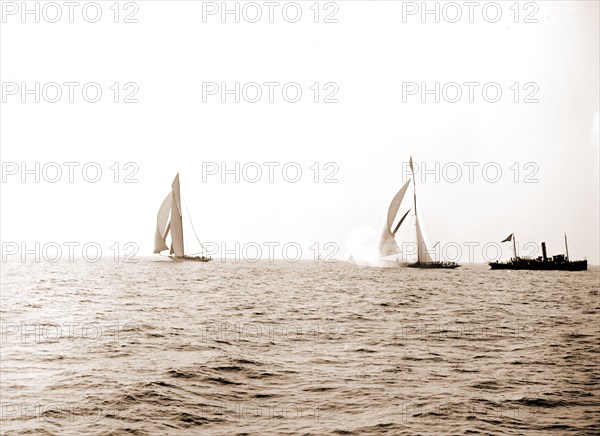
223,348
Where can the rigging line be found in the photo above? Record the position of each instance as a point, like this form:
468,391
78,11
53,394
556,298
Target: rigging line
575,251
187,210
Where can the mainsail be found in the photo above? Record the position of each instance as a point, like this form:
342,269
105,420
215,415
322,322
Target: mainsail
176,220
422,251
387,243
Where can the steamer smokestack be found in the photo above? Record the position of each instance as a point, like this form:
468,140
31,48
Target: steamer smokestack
544,251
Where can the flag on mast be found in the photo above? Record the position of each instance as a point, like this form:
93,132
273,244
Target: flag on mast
509,238
411,165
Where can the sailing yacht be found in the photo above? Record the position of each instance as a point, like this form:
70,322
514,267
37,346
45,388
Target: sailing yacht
387,242
171,205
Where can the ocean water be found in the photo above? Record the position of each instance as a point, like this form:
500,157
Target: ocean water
305,348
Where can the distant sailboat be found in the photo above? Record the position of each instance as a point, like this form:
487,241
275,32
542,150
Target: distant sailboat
388,247
170,218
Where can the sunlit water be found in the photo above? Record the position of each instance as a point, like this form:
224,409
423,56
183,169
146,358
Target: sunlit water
222,348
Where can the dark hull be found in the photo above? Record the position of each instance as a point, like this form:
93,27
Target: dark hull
191,258
540,265
433,265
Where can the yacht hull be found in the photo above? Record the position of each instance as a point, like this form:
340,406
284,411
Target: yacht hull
434,265
190,258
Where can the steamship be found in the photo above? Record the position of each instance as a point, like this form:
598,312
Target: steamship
560,262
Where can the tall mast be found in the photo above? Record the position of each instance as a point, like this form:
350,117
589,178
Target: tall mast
567,247
414,184
415,201
515,246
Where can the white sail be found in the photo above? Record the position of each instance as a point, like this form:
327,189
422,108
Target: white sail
387,244
422,251
162,227
176,220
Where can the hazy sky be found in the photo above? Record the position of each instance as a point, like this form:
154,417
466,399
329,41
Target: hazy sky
366,58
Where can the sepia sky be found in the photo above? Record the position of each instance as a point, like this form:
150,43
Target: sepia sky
546,149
